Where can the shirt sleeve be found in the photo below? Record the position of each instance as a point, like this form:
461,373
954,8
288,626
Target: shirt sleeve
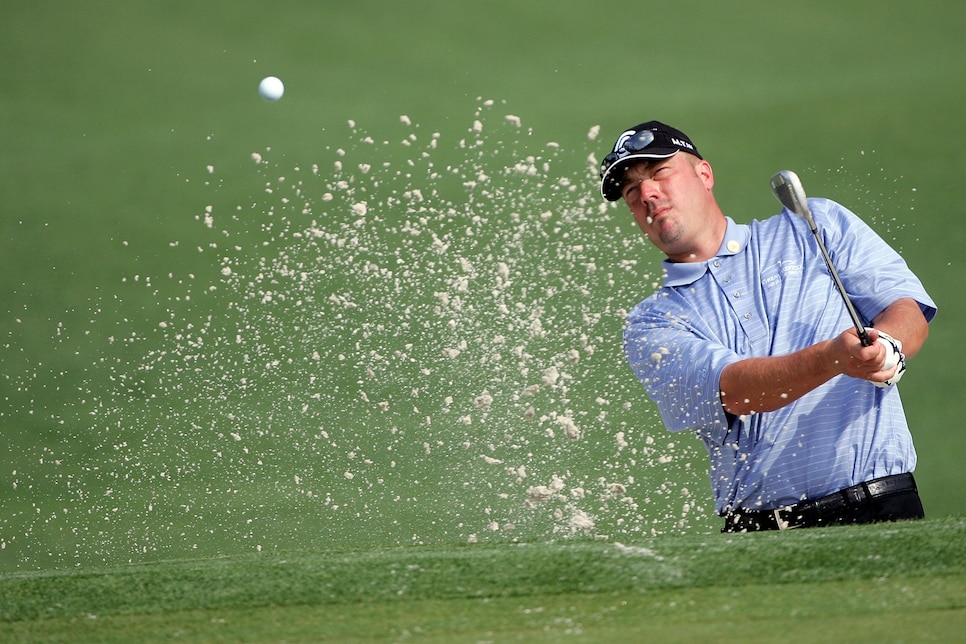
873,273
679,365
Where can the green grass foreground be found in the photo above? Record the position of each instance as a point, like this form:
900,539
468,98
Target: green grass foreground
902,582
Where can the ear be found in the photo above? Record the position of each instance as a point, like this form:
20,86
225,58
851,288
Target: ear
703,169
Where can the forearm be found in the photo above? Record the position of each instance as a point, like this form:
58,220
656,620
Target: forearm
904,321
765,384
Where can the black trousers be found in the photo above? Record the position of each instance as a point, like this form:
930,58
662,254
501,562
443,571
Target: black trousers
891,498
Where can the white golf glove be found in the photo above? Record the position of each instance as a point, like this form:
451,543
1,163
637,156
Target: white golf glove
894,359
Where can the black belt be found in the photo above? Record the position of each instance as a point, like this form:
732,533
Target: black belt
819,511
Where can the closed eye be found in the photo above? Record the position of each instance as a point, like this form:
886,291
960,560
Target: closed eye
631,191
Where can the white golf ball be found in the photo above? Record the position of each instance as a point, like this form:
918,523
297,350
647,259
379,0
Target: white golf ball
271,88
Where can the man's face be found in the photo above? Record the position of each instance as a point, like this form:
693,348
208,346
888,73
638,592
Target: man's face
670,201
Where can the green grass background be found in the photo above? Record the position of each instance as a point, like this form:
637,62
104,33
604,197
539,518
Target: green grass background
856,584
120,375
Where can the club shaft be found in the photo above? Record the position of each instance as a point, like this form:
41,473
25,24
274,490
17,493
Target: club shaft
859,327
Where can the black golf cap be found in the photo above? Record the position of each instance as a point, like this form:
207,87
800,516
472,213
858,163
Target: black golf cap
651,140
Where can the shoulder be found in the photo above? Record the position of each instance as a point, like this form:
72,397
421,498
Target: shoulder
652,304
831,211
664,307
828,214
835,221
778,228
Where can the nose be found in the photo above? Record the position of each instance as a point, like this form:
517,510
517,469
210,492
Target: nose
648,191
648,188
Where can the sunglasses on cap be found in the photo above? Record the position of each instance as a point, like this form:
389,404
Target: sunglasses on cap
652,140
637,142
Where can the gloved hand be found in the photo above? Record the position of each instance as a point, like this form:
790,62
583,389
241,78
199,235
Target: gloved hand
894,359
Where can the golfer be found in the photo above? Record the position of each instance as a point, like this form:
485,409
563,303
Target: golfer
749,345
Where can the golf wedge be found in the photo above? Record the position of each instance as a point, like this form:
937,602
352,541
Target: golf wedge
787,187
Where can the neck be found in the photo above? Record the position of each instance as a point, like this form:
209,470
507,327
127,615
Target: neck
705,245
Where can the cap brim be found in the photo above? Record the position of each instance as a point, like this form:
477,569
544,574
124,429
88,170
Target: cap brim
612,181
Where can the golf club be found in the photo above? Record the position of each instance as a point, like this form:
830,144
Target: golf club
788,189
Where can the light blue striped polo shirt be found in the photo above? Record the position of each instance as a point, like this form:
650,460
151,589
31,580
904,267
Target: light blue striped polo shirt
769,292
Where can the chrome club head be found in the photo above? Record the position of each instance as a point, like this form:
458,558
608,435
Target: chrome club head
786,186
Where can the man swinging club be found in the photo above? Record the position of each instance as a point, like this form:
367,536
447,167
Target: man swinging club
749,345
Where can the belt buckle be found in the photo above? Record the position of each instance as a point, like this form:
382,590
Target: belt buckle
783,524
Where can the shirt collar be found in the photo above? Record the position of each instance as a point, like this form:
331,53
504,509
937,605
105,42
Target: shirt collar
683,273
